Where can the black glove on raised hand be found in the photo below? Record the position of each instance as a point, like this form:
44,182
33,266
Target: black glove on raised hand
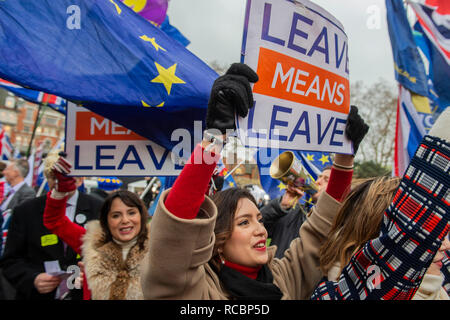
355,128
230,93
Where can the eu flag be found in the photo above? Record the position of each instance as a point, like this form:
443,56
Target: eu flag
103,55
313,161
409,68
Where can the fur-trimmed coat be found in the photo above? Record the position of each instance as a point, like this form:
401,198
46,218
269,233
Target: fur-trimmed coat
108,276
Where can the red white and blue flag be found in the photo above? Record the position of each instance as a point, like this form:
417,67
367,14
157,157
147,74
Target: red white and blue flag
408,132
6,148
417,110
433,16
39,97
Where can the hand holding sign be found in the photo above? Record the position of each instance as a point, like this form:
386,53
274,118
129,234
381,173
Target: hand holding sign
356,128
61,168
230,93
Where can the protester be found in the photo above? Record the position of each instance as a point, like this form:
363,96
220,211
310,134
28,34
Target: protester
283,216
216,249
30,244
359,221
112,247
432,285
18,192
381,249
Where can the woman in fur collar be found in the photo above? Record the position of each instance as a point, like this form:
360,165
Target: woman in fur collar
112,247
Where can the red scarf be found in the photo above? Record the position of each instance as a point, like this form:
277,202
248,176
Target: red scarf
246,271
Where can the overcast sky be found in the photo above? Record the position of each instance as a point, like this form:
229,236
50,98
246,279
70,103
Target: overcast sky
215,28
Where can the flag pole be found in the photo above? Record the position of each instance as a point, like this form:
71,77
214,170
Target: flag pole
36,124
147,188
229,173
41,187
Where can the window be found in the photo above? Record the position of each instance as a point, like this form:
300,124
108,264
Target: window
29,114
51,121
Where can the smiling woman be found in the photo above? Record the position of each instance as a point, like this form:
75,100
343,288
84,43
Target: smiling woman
215,248
112,247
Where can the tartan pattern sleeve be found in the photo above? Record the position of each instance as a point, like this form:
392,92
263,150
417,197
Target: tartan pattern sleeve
414,225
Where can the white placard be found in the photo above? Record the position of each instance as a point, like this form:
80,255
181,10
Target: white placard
302,98
97,146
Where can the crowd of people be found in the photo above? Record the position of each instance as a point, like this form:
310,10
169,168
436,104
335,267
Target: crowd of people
378,238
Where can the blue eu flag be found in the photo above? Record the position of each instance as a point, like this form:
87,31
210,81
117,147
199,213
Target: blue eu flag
313,161
103,55
409,68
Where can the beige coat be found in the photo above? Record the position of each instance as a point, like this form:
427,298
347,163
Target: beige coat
108,276
431,288
176,265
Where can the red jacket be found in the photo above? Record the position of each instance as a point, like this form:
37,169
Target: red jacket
56,221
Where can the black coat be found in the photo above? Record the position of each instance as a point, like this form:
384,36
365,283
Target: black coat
282,225
29,244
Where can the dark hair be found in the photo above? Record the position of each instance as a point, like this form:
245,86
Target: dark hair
226,202
131,200
2,167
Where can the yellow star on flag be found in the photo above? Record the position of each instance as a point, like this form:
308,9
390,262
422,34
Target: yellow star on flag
119,11
231,184
310,157
281,186
167,76
144,104
153,42
324,159
136,5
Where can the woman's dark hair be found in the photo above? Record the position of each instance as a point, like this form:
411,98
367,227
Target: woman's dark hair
226,202
131,200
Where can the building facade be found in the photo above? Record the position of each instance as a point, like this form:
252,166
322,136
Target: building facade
19,118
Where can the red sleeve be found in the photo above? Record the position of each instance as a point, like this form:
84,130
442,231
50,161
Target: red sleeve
86,291
56,221
339,183
188,191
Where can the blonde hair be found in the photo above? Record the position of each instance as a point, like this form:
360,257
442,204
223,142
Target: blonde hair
49,161
358,220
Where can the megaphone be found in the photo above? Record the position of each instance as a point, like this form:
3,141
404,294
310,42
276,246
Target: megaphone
289,170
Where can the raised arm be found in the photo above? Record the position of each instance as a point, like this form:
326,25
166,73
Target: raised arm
182,230
230,94
300,263
413,228
55,218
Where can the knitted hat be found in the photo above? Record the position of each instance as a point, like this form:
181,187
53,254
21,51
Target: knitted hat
109,183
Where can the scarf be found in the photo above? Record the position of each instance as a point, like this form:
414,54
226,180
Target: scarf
242,287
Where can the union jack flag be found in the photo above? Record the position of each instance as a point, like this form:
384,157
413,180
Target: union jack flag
55,102
432,18
6,148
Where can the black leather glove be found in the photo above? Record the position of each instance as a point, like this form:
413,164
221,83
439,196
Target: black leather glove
230,93
355,128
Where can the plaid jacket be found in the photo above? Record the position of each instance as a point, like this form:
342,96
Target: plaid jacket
392,266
